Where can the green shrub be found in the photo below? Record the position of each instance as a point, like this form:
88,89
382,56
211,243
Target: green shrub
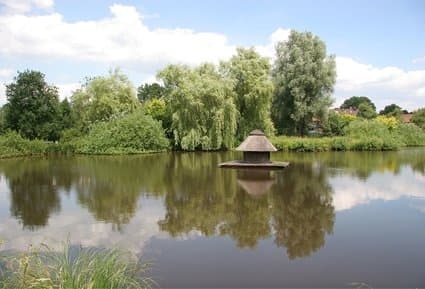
302,144
419,118
410,134
133,133
366,128
12,144
336,123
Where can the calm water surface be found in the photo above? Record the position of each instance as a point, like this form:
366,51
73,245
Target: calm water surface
327,220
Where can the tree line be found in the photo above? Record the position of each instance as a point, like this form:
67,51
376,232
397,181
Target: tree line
208,107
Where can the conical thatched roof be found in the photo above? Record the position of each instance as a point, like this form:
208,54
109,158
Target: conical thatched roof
256,142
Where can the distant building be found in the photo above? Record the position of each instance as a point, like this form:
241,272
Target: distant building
351,111
406,117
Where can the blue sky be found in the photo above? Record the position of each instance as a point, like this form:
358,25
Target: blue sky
379,45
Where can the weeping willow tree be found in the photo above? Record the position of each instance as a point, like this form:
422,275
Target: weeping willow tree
201,103
250,75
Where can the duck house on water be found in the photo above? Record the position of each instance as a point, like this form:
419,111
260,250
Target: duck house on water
256,150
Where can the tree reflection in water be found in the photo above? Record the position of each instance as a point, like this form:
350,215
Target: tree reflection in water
33,192
293,207
302,210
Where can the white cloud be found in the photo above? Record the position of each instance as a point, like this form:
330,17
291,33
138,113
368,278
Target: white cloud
121,38
383,85
66,90
268,49
23,6
349,193
87,231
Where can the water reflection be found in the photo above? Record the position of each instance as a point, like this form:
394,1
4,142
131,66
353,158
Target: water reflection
33,193
295,207
256,182
302,210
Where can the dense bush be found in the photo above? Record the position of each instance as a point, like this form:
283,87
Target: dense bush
133,133
419,118
12,144
336,123
410,134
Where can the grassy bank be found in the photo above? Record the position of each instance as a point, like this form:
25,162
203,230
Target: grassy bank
138,134
340,143
73,268
365,137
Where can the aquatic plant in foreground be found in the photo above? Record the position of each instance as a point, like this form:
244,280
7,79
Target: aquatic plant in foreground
74,268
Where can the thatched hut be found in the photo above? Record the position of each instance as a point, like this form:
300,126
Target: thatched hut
256,150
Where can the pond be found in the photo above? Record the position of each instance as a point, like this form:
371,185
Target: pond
327,220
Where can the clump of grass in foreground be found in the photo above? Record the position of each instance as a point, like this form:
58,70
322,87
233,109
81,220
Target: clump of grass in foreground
75,269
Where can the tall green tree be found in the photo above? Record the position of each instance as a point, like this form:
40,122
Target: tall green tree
355,101
391,110
149,91
33,106
253,89
304,76
201,105
103,98
418,117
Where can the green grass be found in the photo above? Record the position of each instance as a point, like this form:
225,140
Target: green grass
74,268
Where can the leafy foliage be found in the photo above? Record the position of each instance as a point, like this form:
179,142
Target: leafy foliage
33,106
155,108
391,110
204,115
366,111
355,101
336,123
103,98
66,117
149,91
390,122
304,77
253,89
378,134
410,134
418,118
13,144
133,133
